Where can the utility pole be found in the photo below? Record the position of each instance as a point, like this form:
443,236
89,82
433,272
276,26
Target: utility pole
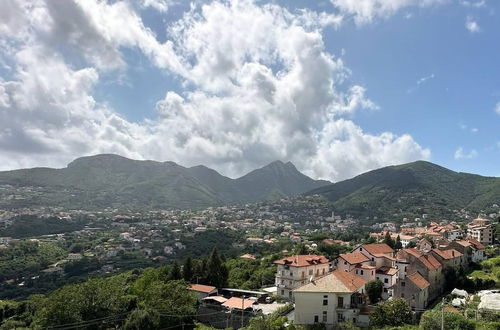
242,310
442,314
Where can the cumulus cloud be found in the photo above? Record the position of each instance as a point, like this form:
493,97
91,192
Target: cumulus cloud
497,108
366,11
270,91
460,153
471,25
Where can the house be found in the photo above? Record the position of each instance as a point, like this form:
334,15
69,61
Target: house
478,250
331,299
248,256
423,245
388,276
463,247
380,254
297,270
427,265
203,291
74,256
414,288
481,230
449,258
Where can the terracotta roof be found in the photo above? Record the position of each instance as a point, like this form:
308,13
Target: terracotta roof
414,252
447,254
363,266
336,282
248,256
302,260
418,280
377,248
202,288
430,262
354,257
237,303
475,242
381,255
387,271
463,243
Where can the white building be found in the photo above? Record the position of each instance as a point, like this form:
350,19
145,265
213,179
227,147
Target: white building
297,270
335,298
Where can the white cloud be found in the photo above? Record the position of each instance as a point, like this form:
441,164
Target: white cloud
497,108
471,25
270,91
366,11
470,129
474,4
160,5
461,154
424,79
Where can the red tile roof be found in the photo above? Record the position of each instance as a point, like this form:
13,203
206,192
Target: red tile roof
238,303
303,260
418,280
202,288
378,248
447,254
338,282
248,256
475,242
354,257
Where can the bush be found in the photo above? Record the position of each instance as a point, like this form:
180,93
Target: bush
431,320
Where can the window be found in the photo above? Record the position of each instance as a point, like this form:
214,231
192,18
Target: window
356,272
316,318
340,302
385,289
340,317
361,272
345,262
282,292
403,283
324,317
402,295
373,259
310,271
303,274
386,280
325,300
291,273
372,272
323,271
354,320
360,249
290,294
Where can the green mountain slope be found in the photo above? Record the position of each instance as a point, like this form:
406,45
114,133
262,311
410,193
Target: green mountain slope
411,190
114,181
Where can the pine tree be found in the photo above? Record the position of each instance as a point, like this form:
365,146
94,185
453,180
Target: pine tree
187,270
398,245
175,272
388,240
216,272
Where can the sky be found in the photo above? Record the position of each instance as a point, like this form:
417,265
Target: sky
338,87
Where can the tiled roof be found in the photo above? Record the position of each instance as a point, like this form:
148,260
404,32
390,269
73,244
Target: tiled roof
430,262
219,299
202,288
475,242
387,271
363,266
447,254
302,260
248,256
336,282
414,252
463,243
238,303
377,248
354,257
418,280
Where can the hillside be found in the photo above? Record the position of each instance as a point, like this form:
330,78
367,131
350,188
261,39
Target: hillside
411,190
113,181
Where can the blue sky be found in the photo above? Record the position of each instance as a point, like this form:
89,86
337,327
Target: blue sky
338,87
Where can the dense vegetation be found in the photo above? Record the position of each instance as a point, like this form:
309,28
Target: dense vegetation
31,225
110,180
411,190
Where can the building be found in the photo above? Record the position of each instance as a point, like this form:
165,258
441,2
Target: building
414,288
449,258
297,270
203,291
331,299
481,230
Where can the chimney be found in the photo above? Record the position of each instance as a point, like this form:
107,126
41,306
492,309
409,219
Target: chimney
453,253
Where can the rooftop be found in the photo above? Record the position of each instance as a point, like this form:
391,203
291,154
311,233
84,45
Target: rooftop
336,282
303,260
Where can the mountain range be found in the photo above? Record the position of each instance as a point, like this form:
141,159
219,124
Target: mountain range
113,181
413,189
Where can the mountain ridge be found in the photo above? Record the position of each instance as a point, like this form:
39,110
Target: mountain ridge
412,189
108,180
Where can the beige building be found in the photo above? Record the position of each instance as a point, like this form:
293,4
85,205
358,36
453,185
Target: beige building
481,230
414,288
298,270
335,298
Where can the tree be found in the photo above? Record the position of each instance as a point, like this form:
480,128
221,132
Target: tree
374,290
187,270
431,320
394,312
142,319
175,272
412,244
300,249
398,245
388,240
216,273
